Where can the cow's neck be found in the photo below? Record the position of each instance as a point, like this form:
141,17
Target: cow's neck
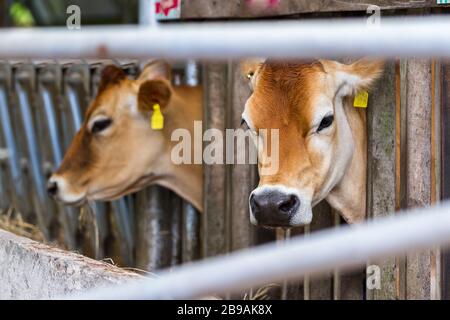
184,179
349,195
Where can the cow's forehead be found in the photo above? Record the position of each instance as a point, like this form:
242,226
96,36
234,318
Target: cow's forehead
289,71
109,96
286,92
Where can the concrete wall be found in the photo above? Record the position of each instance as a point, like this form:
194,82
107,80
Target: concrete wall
32,270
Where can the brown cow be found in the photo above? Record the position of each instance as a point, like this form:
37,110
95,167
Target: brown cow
322,138
117,152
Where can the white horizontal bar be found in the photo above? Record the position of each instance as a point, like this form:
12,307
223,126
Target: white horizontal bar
320,252
426,36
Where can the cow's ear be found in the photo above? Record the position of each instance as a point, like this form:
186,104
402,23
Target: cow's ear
111,74
250,68
155,69
152,92
352,78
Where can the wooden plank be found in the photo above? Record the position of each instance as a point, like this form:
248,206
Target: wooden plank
352,285
400,175
240,184
297,289
436,77
321,288
381,165
418,166
236,9
336,273
445,167
215,221
348,285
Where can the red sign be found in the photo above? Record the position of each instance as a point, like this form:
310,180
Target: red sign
165,6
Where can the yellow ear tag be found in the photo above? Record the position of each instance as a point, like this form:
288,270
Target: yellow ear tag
361,99
157,119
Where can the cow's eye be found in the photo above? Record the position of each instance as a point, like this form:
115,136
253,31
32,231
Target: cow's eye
325,123
100,125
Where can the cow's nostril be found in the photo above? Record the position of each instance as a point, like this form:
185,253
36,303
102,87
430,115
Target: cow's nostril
290,204
274,208
52,188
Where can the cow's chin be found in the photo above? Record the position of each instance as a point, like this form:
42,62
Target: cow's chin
80,200
121,189
75,200
111,195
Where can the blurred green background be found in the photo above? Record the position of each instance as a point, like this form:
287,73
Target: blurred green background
25,13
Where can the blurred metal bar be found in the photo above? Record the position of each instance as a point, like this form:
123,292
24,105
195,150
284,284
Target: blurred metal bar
277,39
147,13
16,175
74,108
49,86
192,73
342,248
4,196
23,84
4,183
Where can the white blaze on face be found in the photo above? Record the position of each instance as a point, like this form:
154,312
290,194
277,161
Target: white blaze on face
335,144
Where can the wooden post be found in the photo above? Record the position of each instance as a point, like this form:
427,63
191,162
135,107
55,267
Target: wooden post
191,241
445,169
207,9
215,220
436,85
381,157
321,288
240,176
418,167
154,229
217,207
400,163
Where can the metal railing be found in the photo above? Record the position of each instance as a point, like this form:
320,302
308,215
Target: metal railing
300,39
323,251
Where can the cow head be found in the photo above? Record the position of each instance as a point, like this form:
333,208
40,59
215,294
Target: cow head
116,151
322,137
